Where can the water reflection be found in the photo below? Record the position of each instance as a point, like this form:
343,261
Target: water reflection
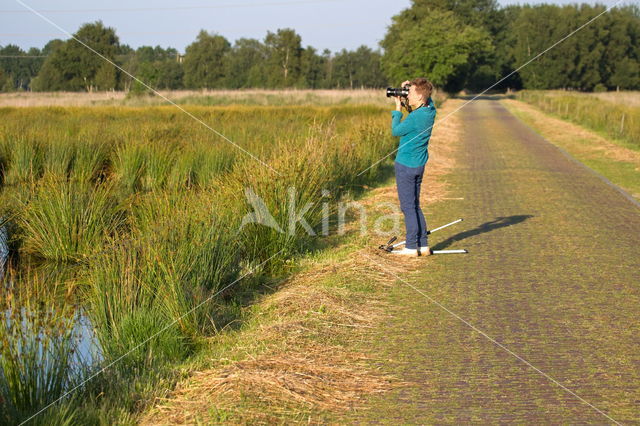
38,313
4,247
79,337
86,342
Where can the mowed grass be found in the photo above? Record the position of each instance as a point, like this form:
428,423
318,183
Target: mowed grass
138,212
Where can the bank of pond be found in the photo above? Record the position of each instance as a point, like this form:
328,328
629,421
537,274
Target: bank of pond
124,244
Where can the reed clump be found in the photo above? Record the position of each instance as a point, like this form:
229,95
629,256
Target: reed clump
39,359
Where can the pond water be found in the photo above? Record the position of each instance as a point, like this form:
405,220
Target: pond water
87,351
4,247
86,355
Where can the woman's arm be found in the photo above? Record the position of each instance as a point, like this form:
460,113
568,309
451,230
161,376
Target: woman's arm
400,128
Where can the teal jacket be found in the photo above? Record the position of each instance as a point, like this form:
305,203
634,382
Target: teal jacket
414,132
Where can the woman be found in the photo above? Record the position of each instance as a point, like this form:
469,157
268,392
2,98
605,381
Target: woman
411,158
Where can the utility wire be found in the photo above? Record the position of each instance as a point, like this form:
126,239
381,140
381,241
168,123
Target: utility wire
176,8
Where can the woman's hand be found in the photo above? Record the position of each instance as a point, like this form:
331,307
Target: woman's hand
405,83
398,103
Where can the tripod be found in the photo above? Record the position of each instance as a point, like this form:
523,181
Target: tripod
390,246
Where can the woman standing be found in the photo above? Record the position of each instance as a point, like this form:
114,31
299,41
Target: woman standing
411,158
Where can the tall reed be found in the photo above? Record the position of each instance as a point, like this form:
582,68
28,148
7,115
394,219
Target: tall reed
151,208
38,351
67,221
26,160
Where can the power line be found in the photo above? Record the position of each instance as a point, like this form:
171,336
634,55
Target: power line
176,8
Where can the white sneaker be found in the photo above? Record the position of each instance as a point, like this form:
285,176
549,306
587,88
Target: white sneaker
407,252
425,251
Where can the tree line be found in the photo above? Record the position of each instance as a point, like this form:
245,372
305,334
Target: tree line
457,44
210,62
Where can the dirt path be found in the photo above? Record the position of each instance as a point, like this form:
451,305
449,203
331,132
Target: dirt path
553,274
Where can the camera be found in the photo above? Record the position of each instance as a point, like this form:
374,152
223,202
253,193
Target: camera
403,92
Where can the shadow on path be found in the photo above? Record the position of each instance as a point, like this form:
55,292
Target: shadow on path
499,222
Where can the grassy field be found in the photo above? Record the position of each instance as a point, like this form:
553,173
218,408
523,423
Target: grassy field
200,97
614,115
129,217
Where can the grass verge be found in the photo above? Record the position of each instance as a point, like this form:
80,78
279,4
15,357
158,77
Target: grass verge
617,163
295,354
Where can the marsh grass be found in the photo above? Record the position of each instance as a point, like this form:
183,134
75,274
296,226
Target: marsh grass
178,258
59,157
67,221
129,166
159,162
5,154
91,161
38,351
26,160
148,207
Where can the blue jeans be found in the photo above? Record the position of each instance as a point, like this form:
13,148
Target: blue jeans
408,180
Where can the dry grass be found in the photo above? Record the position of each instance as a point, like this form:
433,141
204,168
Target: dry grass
299,359
221,97
30,99
295,362
627,98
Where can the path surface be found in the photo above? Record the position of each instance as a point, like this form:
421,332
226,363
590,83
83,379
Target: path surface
553,274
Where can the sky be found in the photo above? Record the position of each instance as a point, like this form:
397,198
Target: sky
323,24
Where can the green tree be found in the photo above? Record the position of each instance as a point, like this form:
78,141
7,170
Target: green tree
622,48
359,68
204,61
535,29
327,71
74,67
503,59
157,67
19,67
481,14
626,75
445,53
603,53
246,64
7,84
284,54
311,69
589,49
106,77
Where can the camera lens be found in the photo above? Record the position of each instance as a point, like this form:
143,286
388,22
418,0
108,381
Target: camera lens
394,91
